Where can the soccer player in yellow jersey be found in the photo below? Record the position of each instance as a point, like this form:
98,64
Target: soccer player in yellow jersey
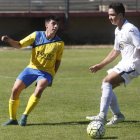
47,50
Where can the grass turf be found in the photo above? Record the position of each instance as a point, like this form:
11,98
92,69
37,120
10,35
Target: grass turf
75,93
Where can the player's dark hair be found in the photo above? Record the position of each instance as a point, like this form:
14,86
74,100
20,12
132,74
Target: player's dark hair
52,17
118,7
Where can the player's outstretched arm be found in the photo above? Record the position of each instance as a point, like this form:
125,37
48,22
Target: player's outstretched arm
95,68
108,59
10,41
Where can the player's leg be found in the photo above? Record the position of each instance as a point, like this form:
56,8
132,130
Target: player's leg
33,100
14,102
24,79
117,115
114,106
41,85
43,80
113,79
127,74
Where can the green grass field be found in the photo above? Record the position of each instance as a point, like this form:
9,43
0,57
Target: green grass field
75,93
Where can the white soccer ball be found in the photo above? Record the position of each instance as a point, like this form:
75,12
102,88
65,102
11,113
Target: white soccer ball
96,129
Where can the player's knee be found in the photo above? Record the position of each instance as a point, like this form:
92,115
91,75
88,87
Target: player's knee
106,80
15,90
113,83
38,91
15,93
106,85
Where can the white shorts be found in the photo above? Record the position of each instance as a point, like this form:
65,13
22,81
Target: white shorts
126,71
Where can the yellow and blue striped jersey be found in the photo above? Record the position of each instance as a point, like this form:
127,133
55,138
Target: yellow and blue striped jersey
45,52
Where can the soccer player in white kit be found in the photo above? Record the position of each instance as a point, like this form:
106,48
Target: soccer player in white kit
127,43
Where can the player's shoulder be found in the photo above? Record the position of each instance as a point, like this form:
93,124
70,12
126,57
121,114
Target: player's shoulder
58,39
126,28
39,33
130,27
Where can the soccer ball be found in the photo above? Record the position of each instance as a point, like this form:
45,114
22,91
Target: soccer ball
96,129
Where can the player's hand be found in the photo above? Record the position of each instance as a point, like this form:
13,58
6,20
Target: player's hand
94,68
4,38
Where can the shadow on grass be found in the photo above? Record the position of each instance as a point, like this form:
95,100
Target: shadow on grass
109,138
70,123
132,121
62,123
82,123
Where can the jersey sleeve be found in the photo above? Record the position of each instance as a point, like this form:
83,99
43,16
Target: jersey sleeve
60,51
135,37
28,41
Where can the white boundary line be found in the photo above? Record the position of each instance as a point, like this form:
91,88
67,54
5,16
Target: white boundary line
8,77
67,78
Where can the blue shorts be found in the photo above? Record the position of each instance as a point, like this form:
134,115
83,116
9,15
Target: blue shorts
29,75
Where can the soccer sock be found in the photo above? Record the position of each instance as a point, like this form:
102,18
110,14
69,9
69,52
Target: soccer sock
33,100
105,99
114,106
13,105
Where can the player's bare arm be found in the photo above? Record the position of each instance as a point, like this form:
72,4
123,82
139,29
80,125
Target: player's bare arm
110,57
10,41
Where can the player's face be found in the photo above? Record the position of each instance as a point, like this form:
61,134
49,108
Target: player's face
52,26
113,16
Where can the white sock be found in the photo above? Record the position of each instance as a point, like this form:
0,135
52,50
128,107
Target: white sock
114,106
105,99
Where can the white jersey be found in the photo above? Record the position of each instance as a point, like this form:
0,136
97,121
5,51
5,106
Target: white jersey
127,41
